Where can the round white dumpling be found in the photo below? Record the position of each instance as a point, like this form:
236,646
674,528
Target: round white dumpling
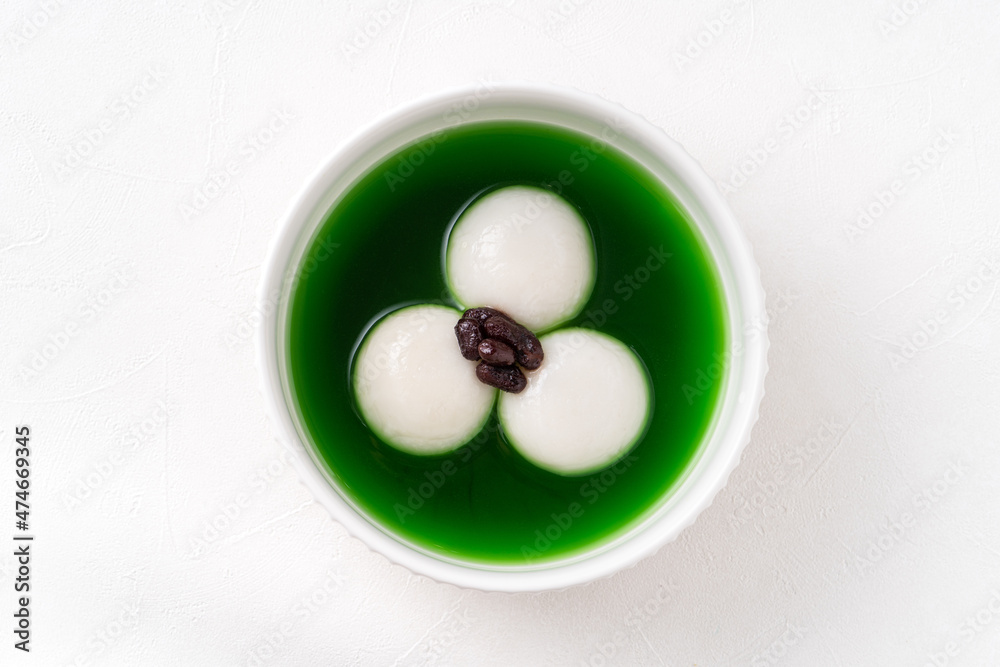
583,409
525,251
412,385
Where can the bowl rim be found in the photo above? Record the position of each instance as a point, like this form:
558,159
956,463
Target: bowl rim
742,392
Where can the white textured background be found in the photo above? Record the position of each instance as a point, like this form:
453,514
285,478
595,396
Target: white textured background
862,525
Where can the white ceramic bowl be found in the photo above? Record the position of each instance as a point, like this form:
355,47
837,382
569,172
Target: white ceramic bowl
744,368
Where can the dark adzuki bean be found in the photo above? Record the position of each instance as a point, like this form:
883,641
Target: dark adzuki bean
502,329
496,353
526,345
482,314
469,336
505,378
529,351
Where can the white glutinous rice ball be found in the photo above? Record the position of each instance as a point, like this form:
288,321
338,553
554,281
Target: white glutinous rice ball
412,385
525,251
583,409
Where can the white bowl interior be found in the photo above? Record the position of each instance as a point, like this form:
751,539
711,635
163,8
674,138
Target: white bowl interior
744,367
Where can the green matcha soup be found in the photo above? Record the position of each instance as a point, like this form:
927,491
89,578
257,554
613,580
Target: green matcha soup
657,291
